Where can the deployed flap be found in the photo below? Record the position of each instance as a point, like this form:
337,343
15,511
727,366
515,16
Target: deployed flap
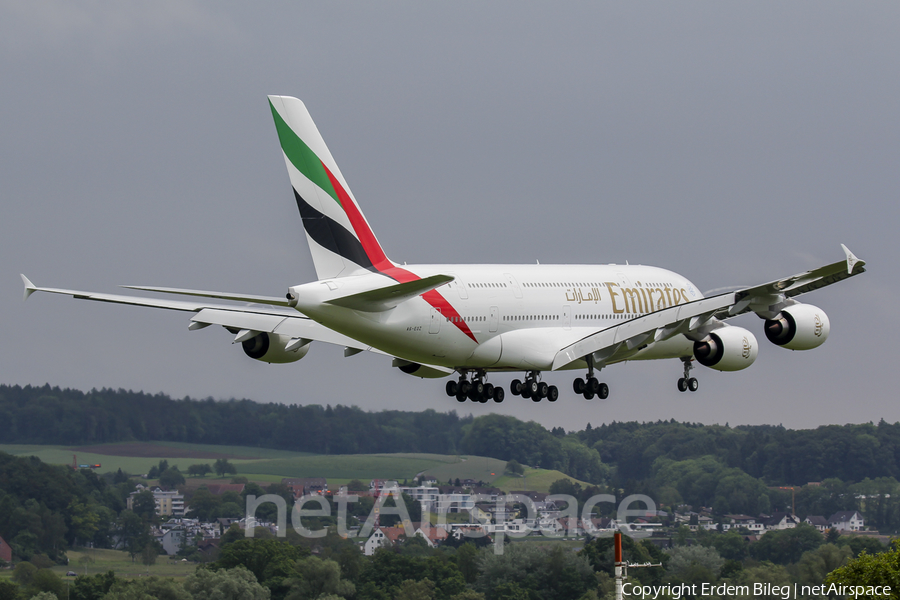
293,325
273,300
386,298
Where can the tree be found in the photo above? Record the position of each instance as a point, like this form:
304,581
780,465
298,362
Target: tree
133,532
9,590
232,584
23,573
467,561
693,564
147,587
548,574
816,564
514,468
92,587
82,521
270,561
45,580
786,546
319,578
149,554
171,478
775,575
416,590
199,470
223,467
144,506
871,570
356,485
203,504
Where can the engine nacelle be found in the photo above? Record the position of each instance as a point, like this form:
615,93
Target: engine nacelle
799,327
417,370
270,348
727,349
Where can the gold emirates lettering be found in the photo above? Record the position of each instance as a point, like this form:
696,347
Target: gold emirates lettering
642,300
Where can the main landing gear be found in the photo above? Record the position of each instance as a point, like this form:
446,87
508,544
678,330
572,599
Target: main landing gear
687,382
475,390
592,387
533,388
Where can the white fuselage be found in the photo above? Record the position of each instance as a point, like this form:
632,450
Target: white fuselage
503,317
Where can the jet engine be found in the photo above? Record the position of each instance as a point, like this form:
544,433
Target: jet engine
270,348
417,370
799,327
727,349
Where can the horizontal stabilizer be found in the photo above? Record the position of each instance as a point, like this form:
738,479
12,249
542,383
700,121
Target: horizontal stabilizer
271,300
386,298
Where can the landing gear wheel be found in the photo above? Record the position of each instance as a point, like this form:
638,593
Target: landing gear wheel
579,386
543,390
465,387
488,390
498,394
460,397
588,395
682,384
532,387
552,393
593,385
452,388
516,387
603,391
693,384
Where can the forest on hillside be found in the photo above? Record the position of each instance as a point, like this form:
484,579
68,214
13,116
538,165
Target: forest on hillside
729,469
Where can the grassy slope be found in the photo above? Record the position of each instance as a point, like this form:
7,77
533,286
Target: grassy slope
272,465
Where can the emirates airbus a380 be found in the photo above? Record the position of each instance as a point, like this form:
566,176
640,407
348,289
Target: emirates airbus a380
472,320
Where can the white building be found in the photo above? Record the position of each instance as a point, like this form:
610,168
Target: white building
847,520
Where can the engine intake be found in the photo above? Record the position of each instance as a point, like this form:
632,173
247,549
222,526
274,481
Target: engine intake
799,327
727,349
270,348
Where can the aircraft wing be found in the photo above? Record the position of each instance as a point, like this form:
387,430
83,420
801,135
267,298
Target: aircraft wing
694,318
237,319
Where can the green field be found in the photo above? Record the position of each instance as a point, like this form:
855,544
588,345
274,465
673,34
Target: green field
270,466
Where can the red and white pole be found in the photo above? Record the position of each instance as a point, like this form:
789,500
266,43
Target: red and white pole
620,566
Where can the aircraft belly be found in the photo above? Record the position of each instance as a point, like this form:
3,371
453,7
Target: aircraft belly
486,354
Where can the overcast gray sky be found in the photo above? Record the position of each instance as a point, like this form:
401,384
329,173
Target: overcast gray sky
731,142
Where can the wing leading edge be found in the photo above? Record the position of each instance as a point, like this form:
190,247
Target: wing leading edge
697,318
236,319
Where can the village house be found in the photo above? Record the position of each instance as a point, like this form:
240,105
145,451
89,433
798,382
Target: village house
306,486
751,524
779,521
847,520
5,551
819,522
217,489
432,535
382,537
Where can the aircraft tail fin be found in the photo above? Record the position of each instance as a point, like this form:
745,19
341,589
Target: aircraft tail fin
339,237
